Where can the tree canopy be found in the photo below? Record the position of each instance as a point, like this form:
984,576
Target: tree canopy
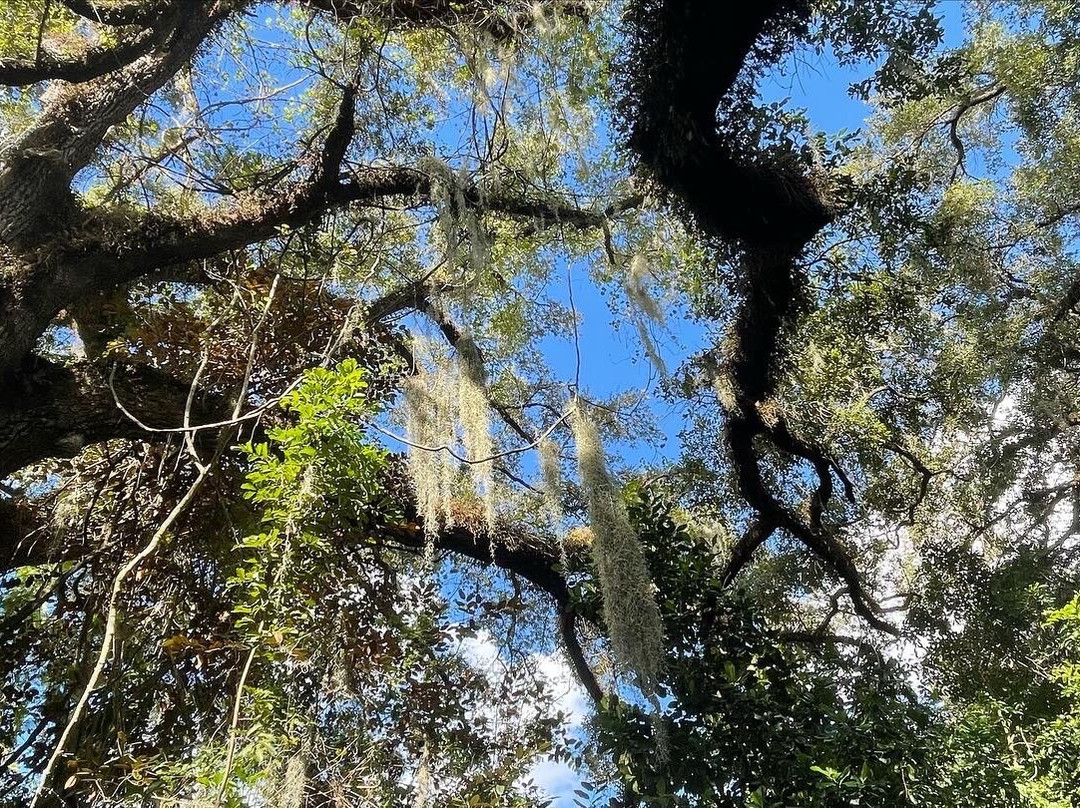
314,493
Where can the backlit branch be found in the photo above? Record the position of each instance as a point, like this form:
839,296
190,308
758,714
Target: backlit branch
500,19
37,168
116,13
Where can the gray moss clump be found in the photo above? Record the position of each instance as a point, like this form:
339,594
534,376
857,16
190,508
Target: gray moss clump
630,610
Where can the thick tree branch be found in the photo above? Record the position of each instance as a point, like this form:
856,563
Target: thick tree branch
404,298
866,648
119,13
814,535
584,673
55,410
110,253
501,19
37,168
325,177
86,270
159,241
52,255
95,62
531,558
686,58
52,410
757,533
22,539
534,559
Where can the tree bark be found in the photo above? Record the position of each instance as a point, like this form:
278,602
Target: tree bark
53,410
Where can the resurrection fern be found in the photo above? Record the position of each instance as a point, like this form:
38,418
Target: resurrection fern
630,610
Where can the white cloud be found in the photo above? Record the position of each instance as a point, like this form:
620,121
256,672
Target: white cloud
556,779
567,692
482,654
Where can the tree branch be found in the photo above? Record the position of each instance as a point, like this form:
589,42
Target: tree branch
574,651
758,532
53,410
95,62
118,13
502,20
109,253
37,168
686,57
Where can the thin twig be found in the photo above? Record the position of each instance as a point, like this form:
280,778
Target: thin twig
450,451
231,756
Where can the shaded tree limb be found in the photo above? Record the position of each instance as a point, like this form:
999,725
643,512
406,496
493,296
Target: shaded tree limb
53,410
133,12
92,64
501,19
686,57
574,651
756,534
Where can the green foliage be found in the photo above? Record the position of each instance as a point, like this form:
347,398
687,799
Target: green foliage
379,645
311,474
759,716
1037,741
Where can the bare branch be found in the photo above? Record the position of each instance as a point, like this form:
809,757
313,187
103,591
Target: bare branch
584,673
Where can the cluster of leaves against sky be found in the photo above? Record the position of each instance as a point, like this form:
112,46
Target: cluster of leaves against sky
309,480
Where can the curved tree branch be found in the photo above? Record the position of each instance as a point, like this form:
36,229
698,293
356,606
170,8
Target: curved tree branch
687,58
92,64
115,13
107,254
